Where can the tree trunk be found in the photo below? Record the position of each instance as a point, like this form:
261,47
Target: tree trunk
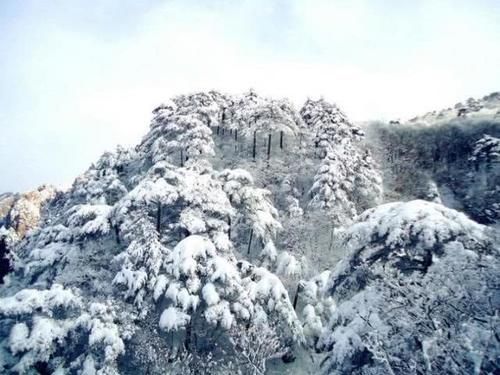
331,240
187,340
235,134
229,223
296,298
218,129
182,158
5,266
281,139
268,146
117,234
254,144
158,218
250,241
223,130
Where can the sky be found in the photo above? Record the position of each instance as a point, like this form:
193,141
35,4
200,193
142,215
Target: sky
78,77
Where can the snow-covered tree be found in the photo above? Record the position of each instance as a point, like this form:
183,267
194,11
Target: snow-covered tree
103,182
253,205
256,115
210,300
166,206
55,330
8,238
333,186
483,195
88,219
414,294
206,105
367,183
328,125
317,306
187,136
486,149
347,181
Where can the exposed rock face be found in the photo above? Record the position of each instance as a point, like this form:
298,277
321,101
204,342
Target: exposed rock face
21,212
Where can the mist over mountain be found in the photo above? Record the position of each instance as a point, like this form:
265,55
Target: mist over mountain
243,235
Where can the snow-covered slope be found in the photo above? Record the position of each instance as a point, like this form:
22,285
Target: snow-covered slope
453,160
485,108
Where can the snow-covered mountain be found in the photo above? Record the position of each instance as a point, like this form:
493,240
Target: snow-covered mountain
242,235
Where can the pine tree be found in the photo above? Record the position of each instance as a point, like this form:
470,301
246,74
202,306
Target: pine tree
253,205
347,181
333,186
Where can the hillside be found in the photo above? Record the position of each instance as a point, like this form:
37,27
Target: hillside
485,108
243,235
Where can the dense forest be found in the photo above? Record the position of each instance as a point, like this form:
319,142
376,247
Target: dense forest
243,235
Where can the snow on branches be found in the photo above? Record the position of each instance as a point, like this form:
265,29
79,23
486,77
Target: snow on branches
415,292
347,181
47,325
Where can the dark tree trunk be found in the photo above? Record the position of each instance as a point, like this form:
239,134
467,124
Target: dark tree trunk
158,218
235,134
182,158
254,144
229,223
268,146
223,131
187,341
250,241
296,298
281,140
218,129
5,267
117,234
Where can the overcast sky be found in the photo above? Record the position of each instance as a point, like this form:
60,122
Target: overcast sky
78,77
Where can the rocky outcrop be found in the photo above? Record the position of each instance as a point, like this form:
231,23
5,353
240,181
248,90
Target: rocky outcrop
22,212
